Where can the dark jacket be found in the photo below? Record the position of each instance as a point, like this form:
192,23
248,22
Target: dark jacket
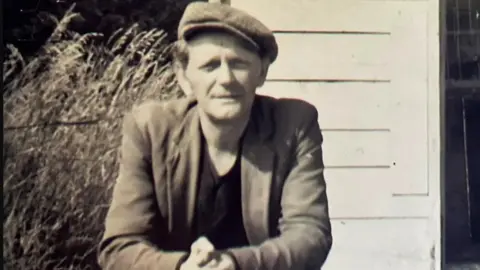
284,200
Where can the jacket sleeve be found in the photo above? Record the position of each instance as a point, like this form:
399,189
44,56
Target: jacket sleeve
305,236
133,214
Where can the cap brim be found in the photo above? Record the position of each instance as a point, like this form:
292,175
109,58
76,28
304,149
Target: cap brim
191,29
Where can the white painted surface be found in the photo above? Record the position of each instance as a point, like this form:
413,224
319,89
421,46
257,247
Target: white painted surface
409,101
435,110
338,104
379,244
331,56
343,149
367,193
319,15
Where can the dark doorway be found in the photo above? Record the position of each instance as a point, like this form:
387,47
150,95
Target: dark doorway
472,132
462,134
462,179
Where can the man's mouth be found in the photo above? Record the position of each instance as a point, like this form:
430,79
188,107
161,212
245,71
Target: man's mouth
227,97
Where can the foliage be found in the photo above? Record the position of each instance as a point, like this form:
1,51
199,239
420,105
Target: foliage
28,23
62,128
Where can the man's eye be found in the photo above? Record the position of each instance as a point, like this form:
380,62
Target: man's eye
239,64
210,66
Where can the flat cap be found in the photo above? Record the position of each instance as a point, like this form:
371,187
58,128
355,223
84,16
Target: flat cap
203,16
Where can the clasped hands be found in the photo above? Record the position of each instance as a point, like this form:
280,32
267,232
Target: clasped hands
204,256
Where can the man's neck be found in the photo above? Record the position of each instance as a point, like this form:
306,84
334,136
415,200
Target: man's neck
223,137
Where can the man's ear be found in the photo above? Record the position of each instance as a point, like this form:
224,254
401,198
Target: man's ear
181,77
265,64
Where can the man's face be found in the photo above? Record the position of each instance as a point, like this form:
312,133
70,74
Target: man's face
223,75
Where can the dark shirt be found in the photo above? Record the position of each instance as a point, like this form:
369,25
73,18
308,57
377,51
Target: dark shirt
219,207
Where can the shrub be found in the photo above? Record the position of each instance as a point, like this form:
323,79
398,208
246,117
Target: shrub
62,121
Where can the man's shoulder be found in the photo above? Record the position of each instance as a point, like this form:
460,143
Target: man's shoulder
164,109
159,115
290,109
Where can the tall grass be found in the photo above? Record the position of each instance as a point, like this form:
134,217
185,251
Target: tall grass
62,128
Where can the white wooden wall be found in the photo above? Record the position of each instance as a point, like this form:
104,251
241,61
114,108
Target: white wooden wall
371,69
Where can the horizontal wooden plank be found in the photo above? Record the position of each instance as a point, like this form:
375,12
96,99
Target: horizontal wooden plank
367,192
322,15
329,56
339,105
396,244
356,148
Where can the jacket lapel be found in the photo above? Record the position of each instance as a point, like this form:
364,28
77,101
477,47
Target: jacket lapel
184,166
257,165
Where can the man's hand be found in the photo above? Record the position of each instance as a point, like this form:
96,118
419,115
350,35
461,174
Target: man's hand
223,261
201,253
203,256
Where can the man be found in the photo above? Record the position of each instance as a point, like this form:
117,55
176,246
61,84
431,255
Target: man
224,178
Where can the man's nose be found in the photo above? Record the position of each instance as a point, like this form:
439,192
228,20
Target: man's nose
225,75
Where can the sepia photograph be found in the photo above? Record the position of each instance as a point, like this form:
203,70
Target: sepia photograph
241,134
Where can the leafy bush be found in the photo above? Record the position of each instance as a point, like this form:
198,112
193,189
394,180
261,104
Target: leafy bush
62,128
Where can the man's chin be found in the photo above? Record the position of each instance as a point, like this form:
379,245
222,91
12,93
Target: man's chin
227,115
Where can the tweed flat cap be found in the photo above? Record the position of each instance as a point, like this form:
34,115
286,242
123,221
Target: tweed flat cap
201,16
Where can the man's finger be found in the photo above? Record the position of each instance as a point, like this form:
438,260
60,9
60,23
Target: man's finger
223,262
203,244
202,258
212,264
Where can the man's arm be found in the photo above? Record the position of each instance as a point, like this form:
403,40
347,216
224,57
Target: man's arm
133,215
305,232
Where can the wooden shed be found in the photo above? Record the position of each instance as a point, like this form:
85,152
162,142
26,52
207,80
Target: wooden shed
372,69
